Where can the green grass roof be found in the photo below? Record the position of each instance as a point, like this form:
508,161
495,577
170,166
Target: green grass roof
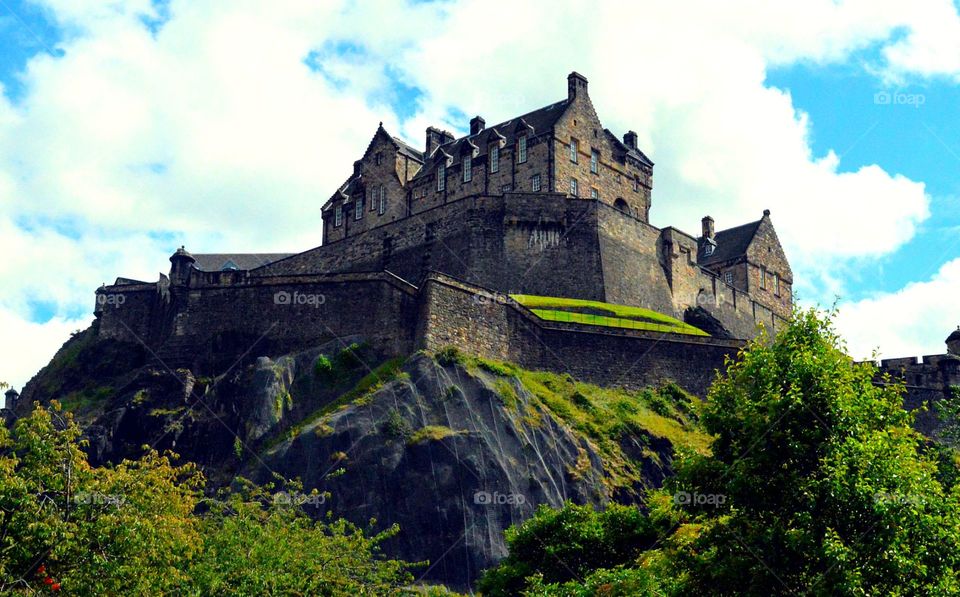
551,308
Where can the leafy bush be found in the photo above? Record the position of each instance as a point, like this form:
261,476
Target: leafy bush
449,355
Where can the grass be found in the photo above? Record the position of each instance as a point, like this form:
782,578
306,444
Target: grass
430,433
605,416
601,314
86,401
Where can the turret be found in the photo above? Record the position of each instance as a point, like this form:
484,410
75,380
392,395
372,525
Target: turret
11,396
181,262
953,342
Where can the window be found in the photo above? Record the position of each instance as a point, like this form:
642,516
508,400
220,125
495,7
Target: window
708,249
505,188
338,216
573,150
372,199
522,149
776,284
467,168
636,184
594,161
728,278
441,176
495,158
573,187
383,200
535,183
594,193
358,209
379,157
763,278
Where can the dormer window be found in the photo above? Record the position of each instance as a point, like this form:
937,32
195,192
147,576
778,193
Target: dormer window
467,168
441,177
338,215
522,149
708,249
495,158
574,148
229,266
594,161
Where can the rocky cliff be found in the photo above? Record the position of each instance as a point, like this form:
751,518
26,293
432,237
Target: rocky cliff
451,447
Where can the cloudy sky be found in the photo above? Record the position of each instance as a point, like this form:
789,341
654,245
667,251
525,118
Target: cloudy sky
128,128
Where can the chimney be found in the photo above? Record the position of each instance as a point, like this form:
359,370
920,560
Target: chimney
576,85
477,124
707,223
630,140
11,396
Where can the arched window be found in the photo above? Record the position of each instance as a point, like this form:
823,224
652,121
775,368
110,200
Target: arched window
621,205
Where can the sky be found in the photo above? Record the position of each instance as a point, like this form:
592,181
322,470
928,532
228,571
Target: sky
129,128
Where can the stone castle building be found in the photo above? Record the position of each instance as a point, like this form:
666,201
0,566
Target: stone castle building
549,203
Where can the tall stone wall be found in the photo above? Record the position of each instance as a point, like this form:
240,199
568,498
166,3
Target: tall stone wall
927,381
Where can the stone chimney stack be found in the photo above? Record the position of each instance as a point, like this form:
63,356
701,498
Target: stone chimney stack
11,396
707,223
433,139
477,124
576,85
953,342
630,140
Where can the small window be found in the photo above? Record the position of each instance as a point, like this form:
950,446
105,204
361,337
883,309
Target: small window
763,278
573,150
372,199
522,149
728,278
776,284
379,157
383,200
594,161
467,168
594,193
506,188
535,183
708,249
636,184
495,158
338,216
573,187
441,176
358,209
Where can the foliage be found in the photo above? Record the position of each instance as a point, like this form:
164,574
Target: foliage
395,426
143,528
602,314
430,433
560,545
449,355
826,489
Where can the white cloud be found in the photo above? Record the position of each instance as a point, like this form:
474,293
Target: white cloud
213,132
912,321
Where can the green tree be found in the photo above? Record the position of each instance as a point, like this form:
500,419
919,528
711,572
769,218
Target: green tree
561,545
816,484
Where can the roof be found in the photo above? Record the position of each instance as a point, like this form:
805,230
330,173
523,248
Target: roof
955,335
731,243
540,121
629,151
408,150
215,262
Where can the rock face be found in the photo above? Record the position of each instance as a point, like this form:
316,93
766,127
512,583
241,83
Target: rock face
452,453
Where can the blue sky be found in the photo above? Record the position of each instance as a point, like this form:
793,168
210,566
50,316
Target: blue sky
129,128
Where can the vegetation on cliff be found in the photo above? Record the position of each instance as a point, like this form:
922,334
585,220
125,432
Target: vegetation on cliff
553,308
815,483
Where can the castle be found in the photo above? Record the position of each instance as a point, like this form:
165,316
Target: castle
425,248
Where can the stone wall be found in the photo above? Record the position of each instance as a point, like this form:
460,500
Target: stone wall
927,381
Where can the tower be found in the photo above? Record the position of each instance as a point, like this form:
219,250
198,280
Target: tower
181,262
953,342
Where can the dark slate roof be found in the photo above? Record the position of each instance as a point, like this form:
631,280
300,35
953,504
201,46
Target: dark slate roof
629,151
215,262
540,121
731,243
955,335
407,150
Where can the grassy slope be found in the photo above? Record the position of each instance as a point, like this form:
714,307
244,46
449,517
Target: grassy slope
620,316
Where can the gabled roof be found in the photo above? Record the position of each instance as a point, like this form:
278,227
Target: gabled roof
732,243
540,121
407,150
629,151
215,262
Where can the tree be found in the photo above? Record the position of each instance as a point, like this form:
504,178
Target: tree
816,484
